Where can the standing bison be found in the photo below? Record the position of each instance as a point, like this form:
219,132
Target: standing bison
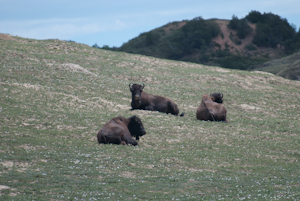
145,101
120,130
211,108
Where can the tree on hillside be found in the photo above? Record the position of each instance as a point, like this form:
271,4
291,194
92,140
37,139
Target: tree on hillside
253,16
198,33
271,29
294,44
241,26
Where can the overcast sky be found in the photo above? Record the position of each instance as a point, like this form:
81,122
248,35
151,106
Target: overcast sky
114,22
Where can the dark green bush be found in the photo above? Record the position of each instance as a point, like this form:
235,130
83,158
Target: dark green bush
254,17
151,38
198,33
95,45
241,26
236,62
272,30
250,47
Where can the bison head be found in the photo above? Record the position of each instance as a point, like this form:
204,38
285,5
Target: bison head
136,91
217,97
136,127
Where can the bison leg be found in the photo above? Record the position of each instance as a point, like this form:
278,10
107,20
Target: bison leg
112,137
127,139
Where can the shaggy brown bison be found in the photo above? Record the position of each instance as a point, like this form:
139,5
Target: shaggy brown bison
211,108
120,130
145,101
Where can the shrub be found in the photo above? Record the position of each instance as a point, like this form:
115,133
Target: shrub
151,38
241,26
253,17
198,33
95,45
250,47
272,30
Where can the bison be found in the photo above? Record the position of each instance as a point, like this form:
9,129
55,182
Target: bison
145,101
120,130
211,108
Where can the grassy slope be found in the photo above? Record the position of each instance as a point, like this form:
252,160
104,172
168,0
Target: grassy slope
51,111
287,67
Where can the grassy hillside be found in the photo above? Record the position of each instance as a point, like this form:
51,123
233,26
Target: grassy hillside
56,95
287,67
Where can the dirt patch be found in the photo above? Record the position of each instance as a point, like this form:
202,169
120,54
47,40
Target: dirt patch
6,37
229,40
228,34
143,79
25,85
7,164
189,169
28,147
174,26
252,82
221,70
128,174
3,187
208,78
262,72
173,140
249,107
20,166
77,68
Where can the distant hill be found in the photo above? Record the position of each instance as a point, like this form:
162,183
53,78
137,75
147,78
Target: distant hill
237,43
287,67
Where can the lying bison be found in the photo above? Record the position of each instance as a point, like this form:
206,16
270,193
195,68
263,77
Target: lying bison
120,130
211,108
145,101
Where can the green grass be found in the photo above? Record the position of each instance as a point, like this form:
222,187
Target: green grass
287,67
50,114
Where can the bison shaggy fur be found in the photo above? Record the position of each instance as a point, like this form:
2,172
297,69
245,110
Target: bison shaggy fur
120,130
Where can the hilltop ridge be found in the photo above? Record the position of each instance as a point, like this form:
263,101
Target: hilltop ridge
244,43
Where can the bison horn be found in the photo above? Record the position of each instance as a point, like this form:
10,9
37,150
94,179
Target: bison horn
129,85
143,86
